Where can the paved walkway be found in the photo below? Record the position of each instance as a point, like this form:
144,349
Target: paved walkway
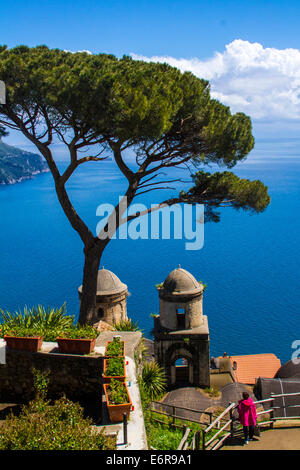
271,439
136,433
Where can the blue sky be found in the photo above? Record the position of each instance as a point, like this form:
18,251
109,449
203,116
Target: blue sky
155,27
248,50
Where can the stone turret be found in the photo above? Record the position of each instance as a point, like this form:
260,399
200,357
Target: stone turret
111,298
181,334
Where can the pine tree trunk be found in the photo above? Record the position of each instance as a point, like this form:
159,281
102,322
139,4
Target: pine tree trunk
89,283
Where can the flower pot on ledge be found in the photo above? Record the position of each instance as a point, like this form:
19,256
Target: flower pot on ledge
76,346
24,343
116,412
119,355
107,378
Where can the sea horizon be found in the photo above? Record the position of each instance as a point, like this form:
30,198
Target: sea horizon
249,262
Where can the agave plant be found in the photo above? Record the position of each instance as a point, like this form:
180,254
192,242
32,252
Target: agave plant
153,379
126,325
49,318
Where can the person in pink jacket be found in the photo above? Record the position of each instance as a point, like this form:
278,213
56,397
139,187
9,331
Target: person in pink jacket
247,416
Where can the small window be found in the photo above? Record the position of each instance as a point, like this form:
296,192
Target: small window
180,313
100,313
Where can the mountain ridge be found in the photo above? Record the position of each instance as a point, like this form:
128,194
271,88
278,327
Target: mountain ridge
17,165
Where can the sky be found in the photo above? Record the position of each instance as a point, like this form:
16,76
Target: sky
248,50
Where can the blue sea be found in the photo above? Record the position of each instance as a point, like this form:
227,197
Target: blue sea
250,263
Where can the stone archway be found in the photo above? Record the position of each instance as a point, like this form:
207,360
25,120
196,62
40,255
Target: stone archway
181,368
182,371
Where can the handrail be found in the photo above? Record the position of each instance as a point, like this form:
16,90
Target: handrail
230,407
184,439
209,413
286,395
213,438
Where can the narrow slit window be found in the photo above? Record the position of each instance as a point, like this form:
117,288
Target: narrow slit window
180,313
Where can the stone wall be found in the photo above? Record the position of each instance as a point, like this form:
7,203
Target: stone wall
78,377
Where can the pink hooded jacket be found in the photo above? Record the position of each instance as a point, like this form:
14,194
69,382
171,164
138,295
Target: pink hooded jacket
247,412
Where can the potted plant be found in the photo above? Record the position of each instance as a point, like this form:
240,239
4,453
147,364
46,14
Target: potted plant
116,347
117,400
114,368
77,340
23,339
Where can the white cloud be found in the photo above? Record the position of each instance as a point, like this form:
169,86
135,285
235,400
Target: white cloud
262,82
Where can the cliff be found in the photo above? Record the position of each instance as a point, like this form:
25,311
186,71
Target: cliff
17,164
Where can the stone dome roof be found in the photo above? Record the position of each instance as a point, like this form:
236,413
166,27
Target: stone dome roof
288,370
108,282
181,281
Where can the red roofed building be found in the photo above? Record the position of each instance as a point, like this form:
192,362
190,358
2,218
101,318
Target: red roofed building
248,368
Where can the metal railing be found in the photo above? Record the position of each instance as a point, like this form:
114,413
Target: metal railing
232,406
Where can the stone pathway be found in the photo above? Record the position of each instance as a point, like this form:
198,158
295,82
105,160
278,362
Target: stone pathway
136,432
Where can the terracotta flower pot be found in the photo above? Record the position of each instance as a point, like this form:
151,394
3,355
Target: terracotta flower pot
76,346
107,378
121,342
116,411
24,343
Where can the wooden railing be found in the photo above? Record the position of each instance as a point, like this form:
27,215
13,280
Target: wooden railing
174,415
221,424
232,406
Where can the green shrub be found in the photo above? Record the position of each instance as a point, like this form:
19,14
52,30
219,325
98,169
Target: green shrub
21,331
80,332
117,393
126,325
114,367
115,348
212,392
153,380
38,316
61,426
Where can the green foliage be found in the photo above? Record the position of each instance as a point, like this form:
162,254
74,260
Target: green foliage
154,315
126,325
117,393
22,331
49,323
40,382
124,100
212,392
80,332
153,380
42,426
115,348
114,367
226,189
39,316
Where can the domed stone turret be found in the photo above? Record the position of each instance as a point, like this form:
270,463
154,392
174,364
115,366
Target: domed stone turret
110,298
109,283
181,333
181,281
180,299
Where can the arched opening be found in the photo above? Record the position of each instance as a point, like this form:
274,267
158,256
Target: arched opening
100,313
182,371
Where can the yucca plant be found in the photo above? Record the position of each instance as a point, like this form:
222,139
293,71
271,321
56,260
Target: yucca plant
153,379
38,316
49,321
126,325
